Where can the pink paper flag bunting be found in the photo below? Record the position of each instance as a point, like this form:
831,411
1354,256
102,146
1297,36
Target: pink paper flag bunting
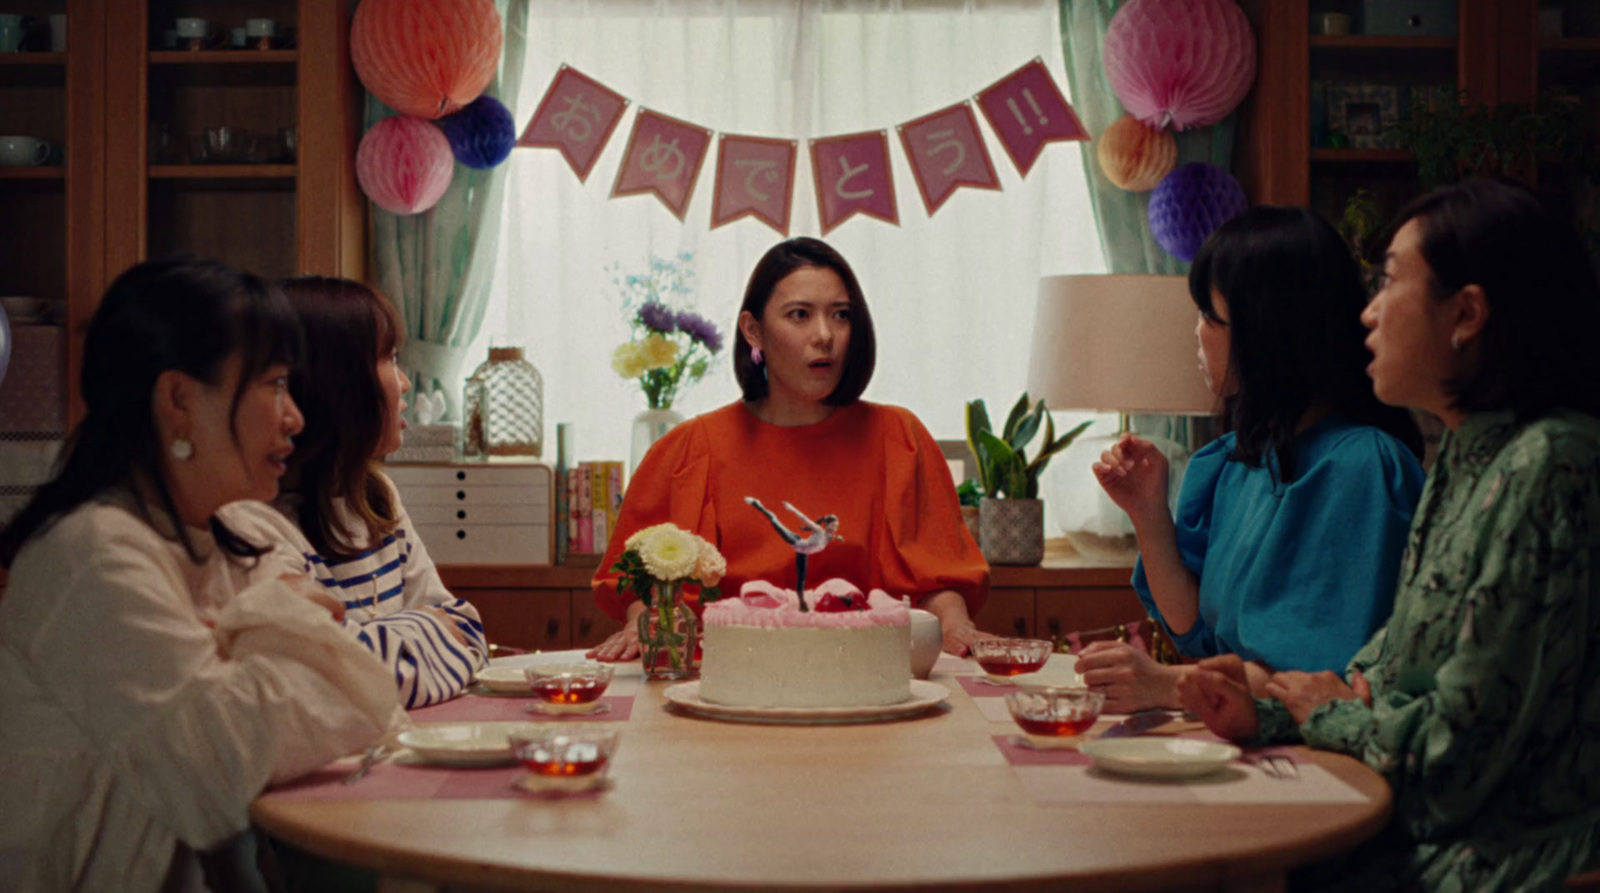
852,176
664,156
755,178
946,152
576,115
1026,110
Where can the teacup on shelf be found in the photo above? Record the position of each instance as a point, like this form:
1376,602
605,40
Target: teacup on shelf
564,759
1054,715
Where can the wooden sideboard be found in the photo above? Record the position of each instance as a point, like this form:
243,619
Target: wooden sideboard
550,608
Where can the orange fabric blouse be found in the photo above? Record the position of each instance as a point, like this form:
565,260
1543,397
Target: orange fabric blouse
874,466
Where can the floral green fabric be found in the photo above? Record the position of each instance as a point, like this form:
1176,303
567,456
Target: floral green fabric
1486,688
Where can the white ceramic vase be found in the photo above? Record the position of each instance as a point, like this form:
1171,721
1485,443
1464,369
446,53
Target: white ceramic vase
648,427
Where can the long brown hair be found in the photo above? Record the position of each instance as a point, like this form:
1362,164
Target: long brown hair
348,328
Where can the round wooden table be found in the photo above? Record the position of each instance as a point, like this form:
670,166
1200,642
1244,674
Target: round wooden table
919,804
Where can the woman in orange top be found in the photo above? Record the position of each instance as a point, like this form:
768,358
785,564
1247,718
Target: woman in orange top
803,354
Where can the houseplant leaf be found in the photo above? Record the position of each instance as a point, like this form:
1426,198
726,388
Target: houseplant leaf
978,421
1014,418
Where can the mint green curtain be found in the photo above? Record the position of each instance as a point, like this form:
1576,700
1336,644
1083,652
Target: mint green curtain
1124,233
437,267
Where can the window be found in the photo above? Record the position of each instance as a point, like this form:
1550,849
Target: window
952,296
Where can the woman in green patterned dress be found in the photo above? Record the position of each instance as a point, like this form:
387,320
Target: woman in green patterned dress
1479,702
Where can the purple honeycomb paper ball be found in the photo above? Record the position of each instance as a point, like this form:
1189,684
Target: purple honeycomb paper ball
1191,202
482,134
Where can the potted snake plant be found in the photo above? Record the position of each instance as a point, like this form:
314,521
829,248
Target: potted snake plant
1010,514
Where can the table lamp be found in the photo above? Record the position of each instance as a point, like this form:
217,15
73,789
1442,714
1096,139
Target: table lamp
1120,343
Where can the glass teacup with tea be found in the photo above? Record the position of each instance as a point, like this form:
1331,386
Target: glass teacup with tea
1055,715
1005,658
568,688
565,758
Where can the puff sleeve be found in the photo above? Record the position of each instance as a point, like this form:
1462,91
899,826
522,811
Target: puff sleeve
925,548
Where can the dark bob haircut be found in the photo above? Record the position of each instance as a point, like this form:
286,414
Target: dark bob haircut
782,259
1295,338
1536,348
179,314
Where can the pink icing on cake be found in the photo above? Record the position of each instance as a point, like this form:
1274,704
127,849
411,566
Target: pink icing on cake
762,604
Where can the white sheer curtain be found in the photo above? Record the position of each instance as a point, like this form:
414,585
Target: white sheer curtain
951,296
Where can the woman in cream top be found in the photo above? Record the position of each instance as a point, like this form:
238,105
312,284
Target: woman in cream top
148,694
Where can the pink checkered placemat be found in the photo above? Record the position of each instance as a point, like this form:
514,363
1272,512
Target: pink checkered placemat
478,708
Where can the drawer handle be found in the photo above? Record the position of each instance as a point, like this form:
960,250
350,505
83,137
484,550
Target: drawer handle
585,625
1054,624
461,475
461,515
1020,625
461,494
552,628
461,534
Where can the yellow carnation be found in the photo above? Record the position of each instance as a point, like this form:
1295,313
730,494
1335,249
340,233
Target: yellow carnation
669,553
659,352
629,360
710,566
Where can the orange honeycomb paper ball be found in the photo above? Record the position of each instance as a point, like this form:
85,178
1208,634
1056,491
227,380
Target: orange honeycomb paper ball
1135,157
425,58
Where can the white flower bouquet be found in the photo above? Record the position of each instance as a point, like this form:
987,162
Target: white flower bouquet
666,555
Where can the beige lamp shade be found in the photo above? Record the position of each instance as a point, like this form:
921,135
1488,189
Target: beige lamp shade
1117,343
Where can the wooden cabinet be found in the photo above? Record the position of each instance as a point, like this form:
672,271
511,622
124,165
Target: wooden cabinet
1495,56
549,608
70,228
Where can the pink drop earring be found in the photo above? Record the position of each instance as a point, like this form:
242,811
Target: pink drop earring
756,356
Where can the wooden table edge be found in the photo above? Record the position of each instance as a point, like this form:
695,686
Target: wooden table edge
1270,864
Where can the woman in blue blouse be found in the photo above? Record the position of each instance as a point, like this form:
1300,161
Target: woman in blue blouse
1289,528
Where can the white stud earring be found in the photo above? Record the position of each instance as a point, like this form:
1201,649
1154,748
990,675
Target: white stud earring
182,449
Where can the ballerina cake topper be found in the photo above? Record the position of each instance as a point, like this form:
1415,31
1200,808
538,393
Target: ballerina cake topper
814,536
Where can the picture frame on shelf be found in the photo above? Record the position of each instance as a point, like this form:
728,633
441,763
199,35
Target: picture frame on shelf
1366,114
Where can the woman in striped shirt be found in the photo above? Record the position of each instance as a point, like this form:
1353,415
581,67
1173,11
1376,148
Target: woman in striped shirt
353,535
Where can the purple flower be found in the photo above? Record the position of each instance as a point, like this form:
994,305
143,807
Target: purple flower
700,329
657,317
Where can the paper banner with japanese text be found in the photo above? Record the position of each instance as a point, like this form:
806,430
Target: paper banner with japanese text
853,176
755,178
576,115
946,152
664,156
1026,110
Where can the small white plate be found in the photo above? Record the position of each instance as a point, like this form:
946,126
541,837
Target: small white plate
1159,757
924,696
463,743
507,680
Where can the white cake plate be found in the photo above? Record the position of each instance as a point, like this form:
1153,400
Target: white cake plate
924,696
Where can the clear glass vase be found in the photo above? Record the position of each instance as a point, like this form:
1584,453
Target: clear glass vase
669,634
503,407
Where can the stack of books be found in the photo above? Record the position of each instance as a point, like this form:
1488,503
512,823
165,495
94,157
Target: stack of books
593,497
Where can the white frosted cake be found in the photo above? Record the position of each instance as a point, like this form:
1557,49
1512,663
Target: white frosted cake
762,651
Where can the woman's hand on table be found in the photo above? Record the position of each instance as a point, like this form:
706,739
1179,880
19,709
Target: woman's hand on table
1302,693
1218,692
624,643
958,639
1134,474
1131,679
